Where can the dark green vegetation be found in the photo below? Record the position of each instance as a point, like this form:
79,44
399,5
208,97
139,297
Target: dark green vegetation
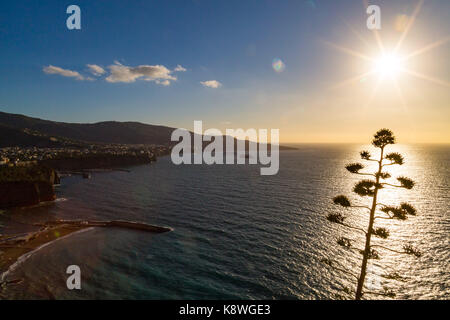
26,185
369,188
28,173
21,138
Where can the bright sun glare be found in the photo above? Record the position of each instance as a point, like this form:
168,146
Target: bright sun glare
388,65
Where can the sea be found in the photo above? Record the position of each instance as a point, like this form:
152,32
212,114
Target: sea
241,235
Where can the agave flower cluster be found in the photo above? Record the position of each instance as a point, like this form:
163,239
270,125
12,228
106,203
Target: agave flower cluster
369,188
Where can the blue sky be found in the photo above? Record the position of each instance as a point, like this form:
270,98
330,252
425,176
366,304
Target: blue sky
232,42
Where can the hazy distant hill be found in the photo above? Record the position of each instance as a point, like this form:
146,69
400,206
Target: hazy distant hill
101,132
20,130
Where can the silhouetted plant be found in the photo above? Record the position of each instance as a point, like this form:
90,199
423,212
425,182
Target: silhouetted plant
370,188
342,200
381,233
344,242
409,249
394,276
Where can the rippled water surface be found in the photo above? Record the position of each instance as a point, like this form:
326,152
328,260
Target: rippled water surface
238,234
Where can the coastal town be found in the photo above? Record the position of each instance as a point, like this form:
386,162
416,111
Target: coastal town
28,175
26,155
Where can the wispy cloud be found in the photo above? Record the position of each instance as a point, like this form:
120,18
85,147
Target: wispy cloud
122,73
211,84
64,72
179,68
158,73
163,83
95,69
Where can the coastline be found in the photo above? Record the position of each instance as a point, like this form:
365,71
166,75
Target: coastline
25,256
13,248
29,183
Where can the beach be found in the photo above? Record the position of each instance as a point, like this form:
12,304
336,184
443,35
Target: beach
14,247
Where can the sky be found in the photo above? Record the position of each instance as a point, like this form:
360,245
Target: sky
232,64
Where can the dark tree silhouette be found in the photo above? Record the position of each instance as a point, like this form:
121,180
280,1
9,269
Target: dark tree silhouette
369,188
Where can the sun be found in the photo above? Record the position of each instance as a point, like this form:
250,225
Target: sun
388,64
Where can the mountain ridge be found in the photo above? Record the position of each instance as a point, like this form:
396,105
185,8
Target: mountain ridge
115,132
24,131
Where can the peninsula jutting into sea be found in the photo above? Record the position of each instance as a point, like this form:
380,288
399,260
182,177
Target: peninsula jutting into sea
36,154
33,159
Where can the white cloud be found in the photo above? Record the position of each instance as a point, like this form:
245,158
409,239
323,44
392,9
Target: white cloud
121,73
158,73
95,69
211,84
179,68
164,82
63,72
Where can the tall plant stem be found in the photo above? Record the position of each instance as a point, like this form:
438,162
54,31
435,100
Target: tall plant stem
362,276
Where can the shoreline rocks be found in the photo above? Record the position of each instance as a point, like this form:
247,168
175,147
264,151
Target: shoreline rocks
26,185
24,193
29,184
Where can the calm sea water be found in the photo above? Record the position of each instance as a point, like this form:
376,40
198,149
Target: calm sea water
238,235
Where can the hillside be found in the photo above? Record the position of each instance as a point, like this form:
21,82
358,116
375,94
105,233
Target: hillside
11,137
23,131
101,132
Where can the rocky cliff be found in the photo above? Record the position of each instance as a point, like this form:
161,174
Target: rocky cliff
26,185
22,193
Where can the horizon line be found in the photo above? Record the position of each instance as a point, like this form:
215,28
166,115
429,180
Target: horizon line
168,126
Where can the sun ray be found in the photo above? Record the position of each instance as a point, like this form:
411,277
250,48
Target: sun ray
389,64
409,25
378,39
372,94
427,48
400,95
426,77
406,112
358,35
352,80
349,51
